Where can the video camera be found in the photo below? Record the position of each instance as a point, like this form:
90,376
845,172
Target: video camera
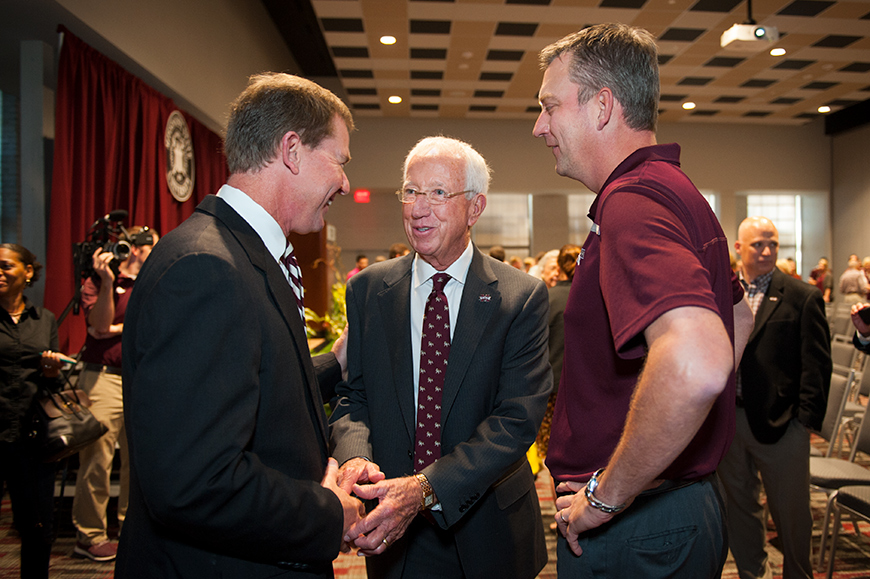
104,234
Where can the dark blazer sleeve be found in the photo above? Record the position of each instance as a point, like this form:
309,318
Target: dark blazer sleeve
815,361
207,430
861,347
328,372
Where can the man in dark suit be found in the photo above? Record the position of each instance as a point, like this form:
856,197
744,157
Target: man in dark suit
782,391
459,499
861,339
227,434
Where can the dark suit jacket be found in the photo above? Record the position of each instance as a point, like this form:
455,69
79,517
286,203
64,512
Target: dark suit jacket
558,300
225,423
786,366
495,395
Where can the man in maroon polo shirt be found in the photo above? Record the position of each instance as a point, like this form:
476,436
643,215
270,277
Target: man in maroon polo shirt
646,404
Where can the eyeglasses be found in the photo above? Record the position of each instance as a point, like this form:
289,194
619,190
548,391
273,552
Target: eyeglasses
434,197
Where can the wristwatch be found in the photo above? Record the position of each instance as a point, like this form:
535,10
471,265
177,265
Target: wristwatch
428,499
593,500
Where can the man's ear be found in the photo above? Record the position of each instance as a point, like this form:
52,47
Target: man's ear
292,151
606,103
478,204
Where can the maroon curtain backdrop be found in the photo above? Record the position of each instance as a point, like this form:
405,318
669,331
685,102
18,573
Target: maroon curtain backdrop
109,154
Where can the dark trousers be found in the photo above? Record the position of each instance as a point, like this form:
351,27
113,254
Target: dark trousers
30,483
679,533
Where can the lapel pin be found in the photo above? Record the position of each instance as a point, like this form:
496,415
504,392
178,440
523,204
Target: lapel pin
485,298
773,298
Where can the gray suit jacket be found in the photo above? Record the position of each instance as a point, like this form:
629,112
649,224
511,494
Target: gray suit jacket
225,423
495,395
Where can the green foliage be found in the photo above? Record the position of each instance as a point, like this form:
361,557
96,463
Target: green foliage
330,325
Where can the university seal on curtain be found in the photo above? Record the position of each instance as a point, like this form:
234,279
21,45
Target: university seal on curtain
180,169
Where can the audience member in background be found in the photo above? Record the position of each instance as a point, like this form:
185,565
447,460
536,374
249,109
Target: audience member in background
865,266
516,262
546,260
782,390
853,284
224,406
29,362
821,277
528,263
646,400
362,262
792,268
566,261
497,252
104,303
861,339
550,268
733,262
380,258
458,501
398,250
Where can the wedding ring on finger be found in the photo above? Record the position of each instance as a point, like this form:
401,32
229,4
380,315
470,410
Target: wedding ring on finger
562,516
385,543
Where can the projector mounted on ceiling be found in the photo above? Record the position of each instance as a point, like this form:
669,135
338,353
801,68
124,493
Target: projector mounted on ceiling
749,37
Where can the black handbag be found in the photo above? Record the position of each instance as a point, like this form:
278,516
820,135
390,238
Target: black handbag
63,425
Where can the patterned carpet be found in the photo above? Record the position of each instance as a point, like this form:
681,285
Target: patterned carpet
852,562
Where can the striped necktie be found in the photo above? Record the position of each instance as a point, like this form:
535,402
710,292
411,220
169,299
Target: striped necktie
294,276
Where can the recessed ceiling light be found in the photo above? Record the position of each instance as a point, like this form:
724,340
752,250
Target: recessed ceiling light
395,99
824,109
777,51
388,40
464,66
689,105
467,54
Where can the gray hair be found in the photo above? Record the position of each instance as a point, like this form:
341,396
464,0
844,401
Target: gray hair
477,172
272,105
620,57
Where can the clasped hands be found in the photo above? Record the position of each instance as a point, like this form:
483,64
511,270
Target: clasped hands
399,501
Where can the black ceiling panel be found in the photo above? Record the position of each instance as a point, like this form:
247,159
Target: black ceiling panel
482,108
793,64
515,29
730,99
785,101
836,41
350,52
430,26
682,34
421,107
819,85
806,8
427,75
630,4
672,97
501,76
342,24
426,92
856,67
508,55
723,6
490,94
362,91
429,53
757,114
353,73
758,83
724,61
695,81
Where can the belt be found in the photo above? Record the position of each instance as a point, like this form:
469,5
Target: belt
100,368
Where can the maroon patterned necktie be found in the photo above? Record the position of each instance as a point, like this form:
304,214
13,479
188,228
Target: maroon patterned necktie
434,350
294,275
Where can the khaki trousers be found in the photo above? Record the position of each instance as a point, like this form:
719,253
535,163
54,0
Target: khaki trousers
95,461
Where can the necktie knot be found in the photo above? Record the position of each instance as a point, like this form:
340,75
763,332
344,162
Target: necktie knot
439,280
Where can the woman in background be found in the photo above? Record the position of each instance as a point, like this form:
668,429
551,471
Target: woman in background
29,361
566,261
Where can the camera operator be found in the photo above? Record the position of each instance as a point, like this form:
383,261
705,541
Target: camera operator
104,301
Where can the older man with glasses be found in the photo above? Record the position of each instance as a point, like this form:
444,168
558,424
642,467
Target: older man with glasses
459,498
